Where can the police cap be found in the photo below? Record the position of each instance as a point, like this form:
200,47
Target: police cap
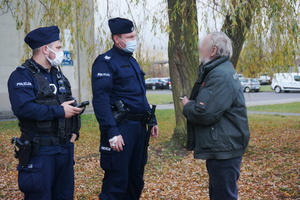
120,26
42,36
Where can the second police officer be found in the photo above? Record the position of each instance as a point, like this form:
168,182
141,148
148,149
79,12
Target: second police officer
117,77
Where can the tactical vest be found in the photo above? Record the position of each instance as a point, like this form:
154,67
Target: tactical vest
45,96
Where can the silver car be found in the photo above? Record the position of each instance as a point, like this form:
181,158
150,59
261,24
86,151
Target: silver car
250,84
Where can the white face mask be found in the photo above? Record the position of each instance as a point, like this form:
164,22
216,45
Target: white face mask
130,46
59,56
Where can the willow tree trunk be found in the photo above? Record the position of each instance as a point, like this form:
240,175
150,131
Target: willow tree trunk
237,23
183,59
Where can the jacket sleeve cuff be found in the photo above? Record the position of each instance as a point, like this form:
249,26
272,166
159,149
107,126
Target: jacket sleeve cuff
58,111
155,121
186,107
112,132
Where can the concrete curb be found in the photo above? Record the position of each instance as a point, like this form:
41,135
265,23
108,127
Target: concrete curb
273,113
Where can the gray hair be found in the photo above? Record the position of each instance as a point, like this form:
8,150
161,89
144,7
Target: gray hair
222,42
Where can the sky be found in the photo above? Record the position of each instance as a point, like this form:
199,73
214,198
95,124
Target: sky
154,39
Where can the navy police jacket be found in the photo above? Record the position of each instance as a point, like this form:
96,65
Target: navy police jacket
116,75
23,88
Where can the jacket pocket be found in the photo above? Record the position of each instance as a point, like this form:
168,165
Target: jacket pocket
203,100
126,80
126,72
31,178
215,136
109,161
209,138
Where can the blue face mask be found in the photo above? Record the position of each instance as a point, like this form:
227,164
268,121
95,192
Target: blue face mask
130,46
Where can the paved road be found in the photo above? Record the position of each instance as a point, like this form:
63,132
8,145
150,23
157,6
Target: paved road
159,91
268,98
273,113
255,98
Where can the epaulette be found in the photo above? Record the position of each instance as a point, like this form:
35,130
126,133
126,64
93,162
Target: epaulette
21,68
107,56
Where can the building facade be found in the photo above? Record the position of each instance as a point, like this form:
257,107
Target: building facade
75,67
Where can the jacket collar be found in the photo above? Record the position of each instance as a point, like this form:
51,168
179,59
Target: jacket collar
203,71
122,52
41,68
206,68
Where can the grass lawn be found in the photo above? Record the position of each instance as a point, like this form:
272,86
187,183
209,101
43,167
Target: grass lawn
288,108
160,98
270,168
266,88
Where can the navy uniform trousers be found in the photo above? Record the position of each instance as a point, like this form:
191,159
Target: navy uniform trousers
49,177
123,178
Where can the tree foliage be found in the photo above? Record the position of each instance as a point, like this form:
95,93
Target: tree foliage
272,42
66,14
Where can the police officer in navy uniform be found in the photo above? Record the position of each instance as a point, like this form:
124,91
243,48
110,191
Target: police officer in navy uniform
116,76
41,98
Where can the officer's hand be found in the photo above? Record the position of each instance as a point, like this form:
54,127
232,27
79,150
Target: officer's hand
117,143
154,132
73,138
70,111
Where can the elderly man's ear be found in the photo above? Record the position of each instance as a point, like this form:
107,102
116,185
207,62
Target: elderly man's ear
214,52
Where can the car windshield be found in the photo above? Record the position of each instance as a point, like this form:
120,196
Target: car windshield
243,80
254,80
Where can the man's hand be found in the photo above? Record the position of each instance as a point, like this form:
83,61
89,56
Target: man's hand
73,138
70,111
117,143
184,101
154,132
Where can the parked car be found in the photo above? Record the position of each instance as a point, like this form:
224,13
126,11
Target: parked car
264,79
286,82
250,84
240,76
156,83
168,80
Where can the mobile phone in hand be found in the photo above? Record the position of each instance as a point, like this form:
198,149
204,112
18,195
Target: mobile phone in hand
83,104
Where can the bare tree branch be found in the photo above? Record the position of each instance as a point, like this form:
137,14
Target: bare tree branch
7,7
214,7
44,5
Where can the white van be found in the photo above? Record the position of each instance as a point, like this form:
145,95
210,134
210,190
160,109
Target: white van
286,82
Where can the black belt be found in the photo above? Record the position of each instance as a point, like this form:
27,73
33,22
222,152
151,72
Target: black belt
52,141
49,141
135,117
144,118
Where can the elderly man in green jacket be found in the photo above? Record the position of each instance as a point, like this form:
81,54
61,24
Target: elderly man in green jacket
217,117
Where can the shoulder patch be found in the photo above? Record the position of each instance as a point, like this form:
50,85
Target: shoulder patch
26,84
98,75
